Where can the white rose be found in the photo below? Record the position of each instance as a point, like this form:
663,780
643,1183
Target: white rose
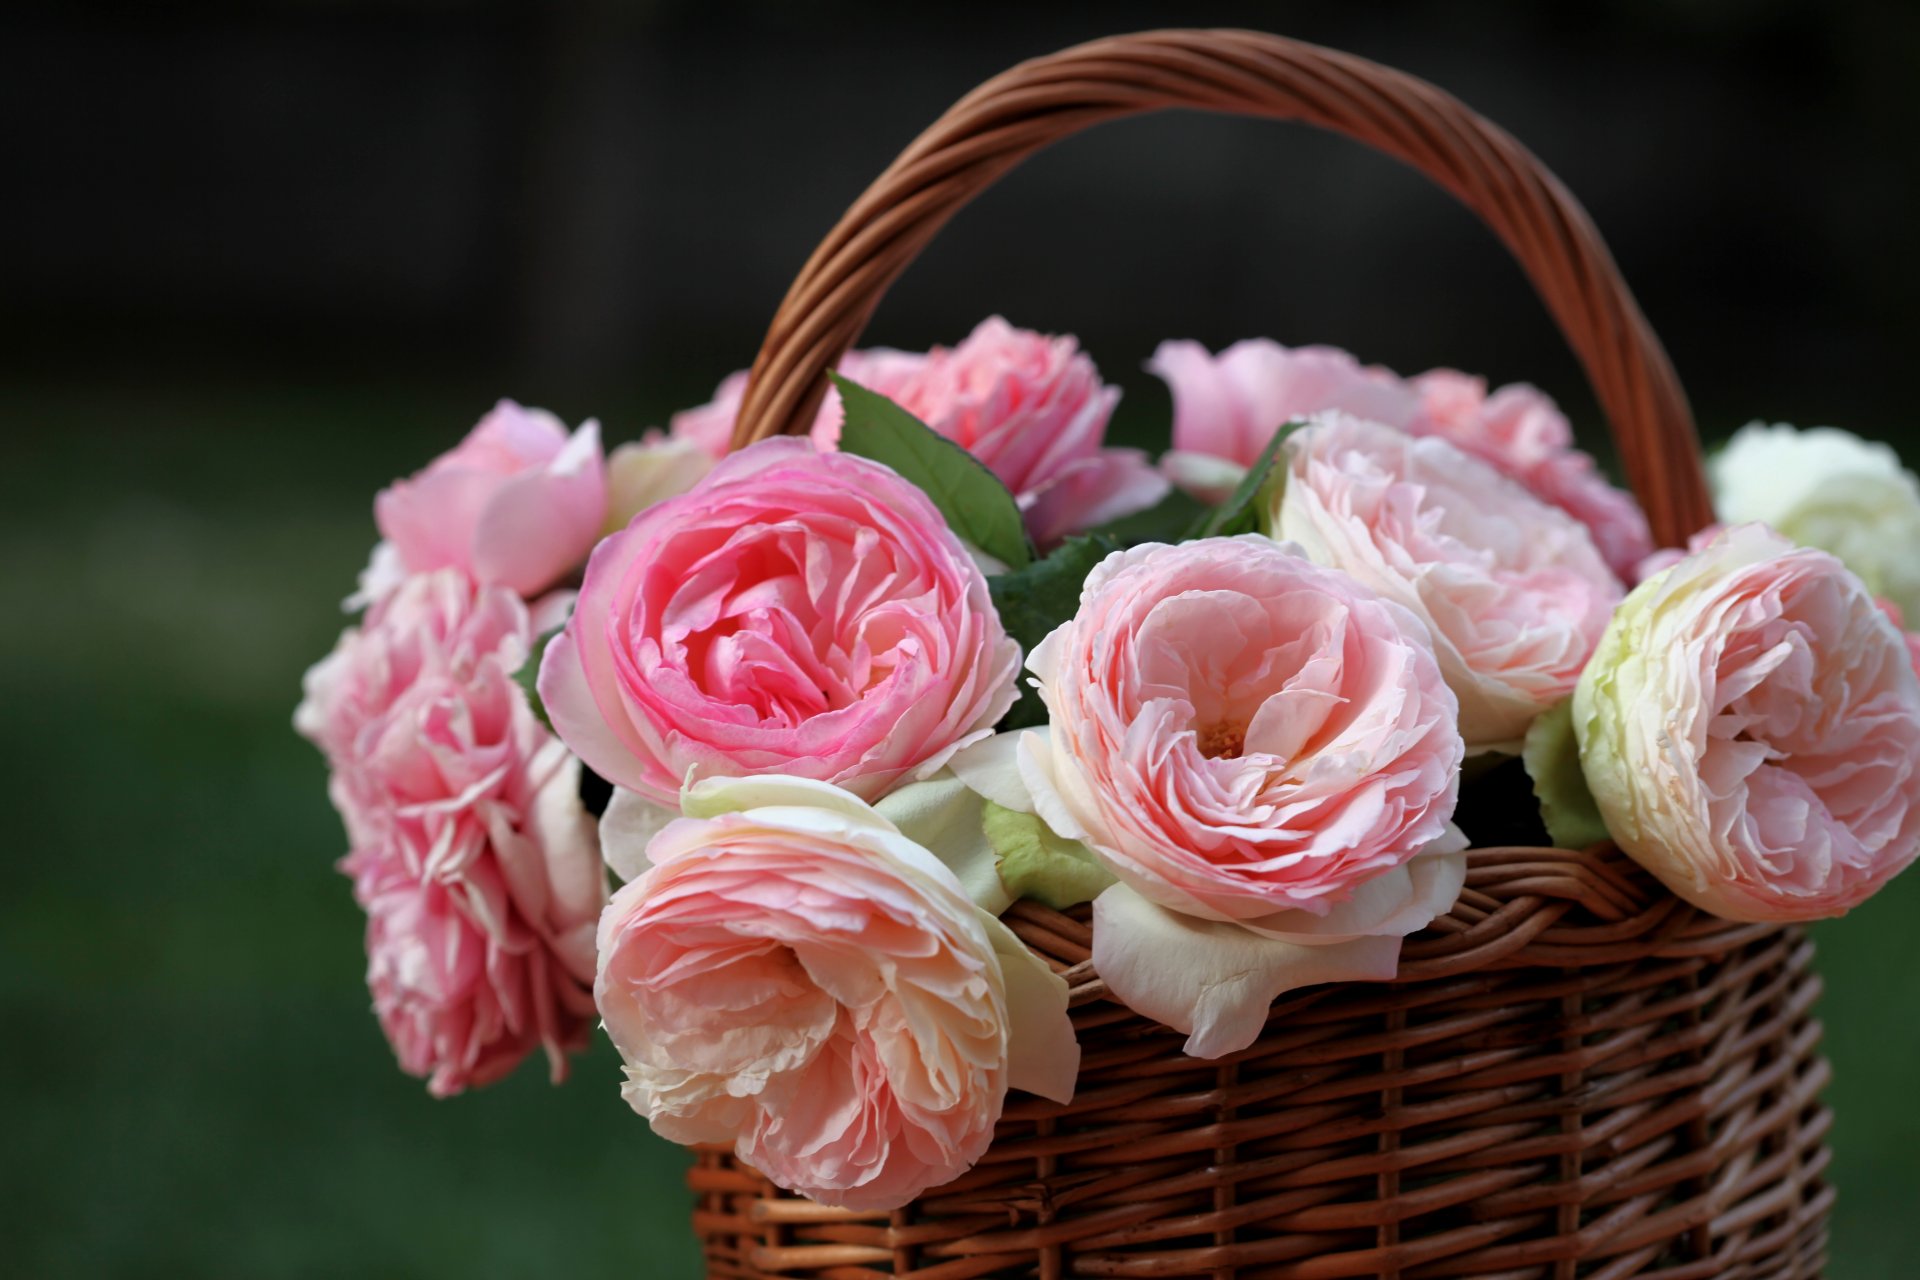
1827,488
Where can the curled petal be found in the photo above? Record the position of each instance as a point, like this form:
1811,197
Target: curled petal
1212,979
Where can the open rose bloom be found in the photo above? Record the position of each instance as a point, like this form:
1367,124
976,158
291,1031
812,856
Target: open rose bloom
471,854
799,612
1751,731
794,976
840,741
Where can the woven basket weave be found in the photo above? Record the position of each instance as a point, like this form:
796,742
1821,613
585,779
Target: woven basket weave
1574,1075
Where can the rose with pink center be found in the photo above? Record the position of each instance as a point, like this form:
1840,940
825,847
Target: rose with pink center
1265,754
797,612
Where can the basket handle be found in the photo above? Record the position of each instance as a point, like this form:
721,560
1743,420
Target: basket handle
1016,113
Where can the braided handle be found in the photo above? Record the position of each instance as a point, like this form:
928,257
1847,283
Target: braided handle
1042,101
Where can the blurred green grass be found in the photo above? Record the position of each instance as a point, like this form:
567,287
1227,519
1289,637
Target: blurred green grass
194,1082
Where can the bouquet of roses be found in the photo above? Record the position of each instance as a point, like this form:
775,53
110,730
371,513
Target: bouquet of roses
827,707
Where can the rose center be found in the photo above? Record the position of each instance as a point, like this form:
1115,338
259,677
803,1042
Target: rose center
1222,741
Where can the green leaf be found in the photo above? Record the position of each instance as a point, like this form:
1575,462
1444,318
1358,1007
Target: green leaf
1552,759
1034,600
1244,511
976,505
1036,863
1167,520
528,676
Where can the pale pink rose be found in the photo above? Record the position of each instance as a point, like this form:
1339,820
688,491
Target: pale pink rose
797,612
1238,731
1522,433
794,976
1247,737
471,853
519,502
1512,589
1750,730
1226,407
1031,407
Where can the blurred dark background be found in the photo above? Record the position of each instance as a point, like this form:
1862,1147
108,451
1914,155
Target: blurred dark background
257,260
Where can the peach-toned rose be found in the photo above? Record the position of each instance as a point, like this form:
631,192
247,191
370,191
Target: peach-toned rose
1522,433
1242,736
519,502
1226,407
797,612
471,853
794,976
1511,588
1030,406
1750,730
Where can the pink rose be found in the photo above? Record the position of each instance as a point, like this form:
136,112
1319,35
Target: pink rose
1237,731
794,976
1029,406
472,856
1241,736
1226,407
1512,589
1750,730
518,502
1521,432
797,612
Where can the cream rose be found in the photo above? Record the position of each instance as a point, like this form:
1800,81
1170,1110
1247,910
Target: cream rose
1750,730
1830,489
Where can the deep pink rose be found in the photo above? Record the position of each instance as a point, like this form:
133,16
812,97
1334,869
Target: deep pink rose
1031,407
519,502
797,612
793,976
1512,589
1522,432
1750,730
471,854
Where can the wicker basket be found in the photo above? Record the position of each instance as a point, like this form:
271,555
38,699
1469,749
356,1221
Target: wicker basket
1575,1074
